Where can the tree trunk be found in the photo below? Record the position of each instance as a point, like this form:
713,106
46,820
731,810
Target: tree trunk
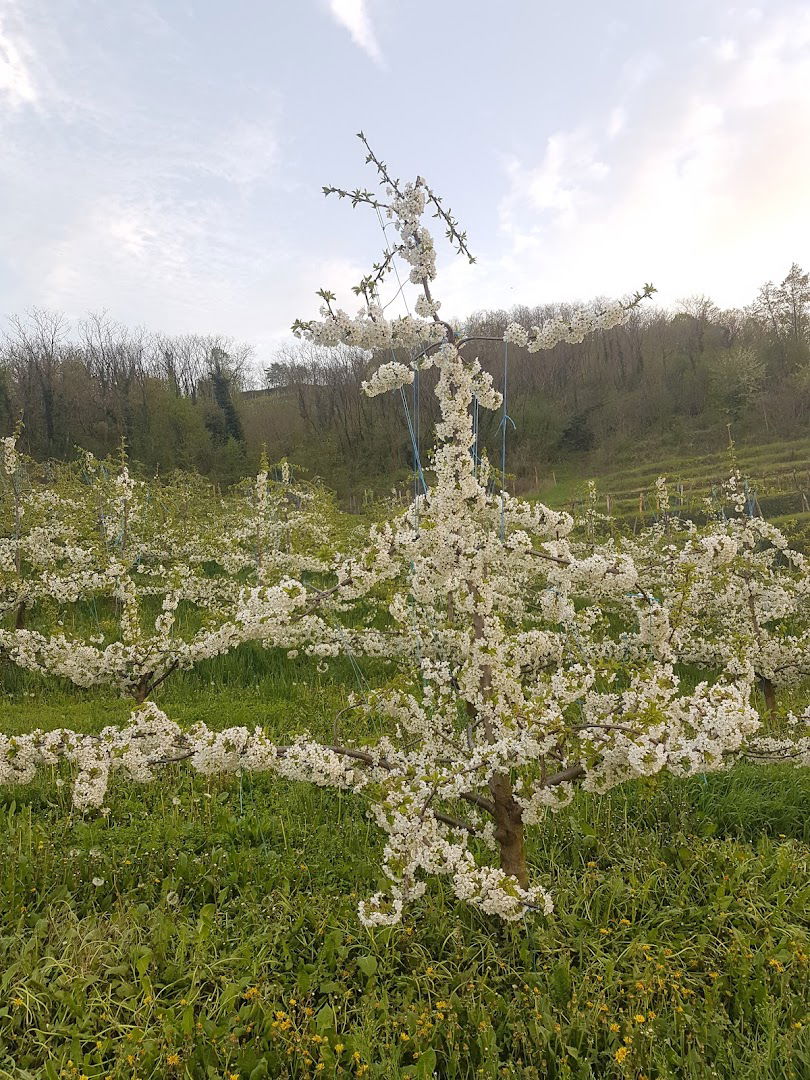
769,693
509,829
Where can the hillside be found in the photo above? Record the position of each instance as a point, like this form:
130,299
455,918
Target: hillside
666,388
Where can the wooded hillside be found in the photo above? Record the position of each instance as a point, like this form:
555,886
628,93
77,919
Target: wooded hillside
673,379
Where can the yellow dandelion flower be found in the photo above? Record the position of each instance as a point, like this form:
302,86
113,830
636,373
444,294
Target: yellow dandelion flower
621,1054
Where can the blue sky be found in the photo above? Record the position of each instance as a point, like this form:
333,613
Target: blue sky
163,159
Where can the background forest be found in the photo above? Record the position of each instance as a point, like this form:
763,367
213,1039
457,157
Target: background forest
668,381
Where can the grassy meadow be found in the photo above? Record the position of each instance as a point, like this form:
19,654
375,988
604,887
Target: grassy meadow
209,929
780,483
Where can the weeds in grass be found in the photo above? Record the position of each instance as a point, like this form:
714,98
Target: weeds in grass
209,929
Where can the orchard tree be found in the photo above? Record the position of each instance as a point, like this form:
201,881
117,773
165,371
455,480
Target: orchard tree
507,696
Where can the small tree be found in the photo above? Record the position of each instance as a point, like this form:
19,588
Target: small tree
510,691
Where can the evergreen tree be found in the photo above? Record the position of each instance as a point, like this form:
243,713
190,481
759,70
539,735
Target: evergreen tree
221,390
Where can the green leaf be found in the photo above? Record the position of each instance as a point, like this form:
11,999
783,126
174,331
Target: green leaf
187,1023
367,964
325,1018
143,961
427,1063
425,1066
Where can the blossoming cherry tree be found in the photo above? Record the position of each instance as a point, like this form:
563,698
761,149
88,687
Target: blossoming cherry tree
509,691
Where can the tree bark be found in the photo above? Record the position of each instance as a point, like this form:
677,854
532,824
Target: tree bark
509,829
769,693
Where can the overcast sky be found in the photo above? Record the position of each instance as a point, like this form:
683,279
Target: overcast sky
163,159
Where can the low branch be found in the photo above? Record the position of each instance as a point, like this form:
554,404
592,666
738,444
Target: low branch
549,558
366,759
151,688
171,760
573,772
606,727
478,800
454,822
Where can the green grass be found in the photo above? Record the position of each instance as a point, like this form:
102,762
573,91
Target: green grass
220,938
779,471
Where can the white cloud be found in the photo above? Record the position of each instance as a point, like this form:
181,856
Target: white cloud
617,122
353,16
570,167
16,82
178,267
243,158
639,69
727,49
705,193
